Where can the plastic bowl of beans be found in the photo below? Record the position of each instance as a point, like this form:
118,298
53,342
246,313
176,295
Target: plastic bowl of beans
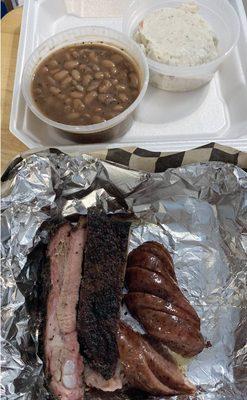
86,81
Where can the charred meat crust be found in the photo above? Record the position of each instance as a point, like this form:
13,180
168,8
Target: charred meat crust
101,291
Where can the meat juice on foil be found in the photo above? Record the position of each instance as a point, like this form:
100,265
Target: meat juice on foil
199,212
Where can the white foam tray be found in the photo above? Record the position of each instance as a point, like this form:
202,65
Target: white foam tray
164,121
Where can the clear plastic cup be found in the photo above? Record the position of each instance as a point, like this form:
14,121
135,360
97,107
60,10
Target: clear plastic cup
224,21
114,127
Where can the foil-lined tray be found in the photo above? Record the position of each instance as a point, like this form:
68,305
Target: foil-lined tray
199,212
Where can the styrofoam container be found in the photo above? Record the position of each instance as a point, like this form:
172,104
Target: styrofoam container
224,22
114,127
165,121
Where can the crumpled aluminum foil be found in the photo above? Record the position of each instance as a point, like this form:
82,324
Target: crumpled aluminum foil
199,212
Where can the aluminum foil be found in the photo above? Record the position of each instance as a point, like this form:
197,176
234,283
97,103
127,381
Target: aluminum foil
199,212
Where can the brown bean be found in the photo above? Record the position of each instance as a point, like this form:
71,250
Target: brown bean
118,107
134,82
114,82
65,82
108,63
112,114
67,108
75,54
78,105
67,56
97,119
114,71
106,98
54,71
99,75
59,76
76,95
93,57
135,93
45,70
123,97
82,67
90,97
80,88
50,101
107,75
68,101
37,91
88,70
73,115
105,86
87,79
97,110
122,75
76,74
53,63
96,68
51,80
54,90
120,87
61,96
116,58
93,85
71,64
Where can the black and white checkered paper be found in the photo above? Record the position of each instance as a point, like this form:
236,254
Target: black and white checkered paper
150,161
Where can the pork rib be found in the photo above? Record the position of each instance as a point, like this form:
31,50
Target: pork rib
101,291
63,362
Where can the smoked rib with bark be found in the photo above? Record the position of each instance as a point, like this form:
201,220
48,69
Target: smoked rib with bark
101,291
63,362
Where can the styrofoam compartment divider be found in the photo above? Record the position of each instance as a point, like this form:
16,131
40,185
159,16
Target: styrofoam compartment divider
164,121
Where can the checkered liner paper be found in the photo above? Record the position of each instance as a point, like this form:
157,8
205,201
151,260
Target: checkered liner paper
145,160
